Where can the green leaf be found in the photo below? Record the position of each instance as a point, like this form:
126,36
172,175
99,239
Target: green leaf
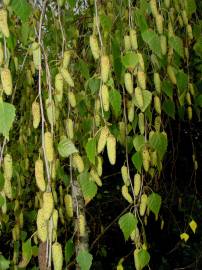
158,142
84,259
66,147
117,64
182,81
127,224
167,88
143,258
2,201
115,101
198,100
69,250
83,68
177,44
169,108
91,150
106,23
137,161
130,60
94,85
138,142
198,47
140,20
4,264
26,254
72,3
1,180
147,99
7,116
22,9
152,39
154,203
190,7
88,187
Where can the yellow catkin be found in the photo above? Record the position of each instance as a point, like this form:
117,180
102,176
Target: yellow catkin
105,68
141,123
141,61
171,74
57,256
154,158
146,159
68,205
188,98
191,89
143,204
8,166
189,112
136,259
67,77
189,32
111,149
36,114
122,131
59,87
1,54
72,99
141,78
167,3
130,111
48,204
153,7
99,165
48,141
184,17
163,44
137,184
39,175
42,226
6,80
125,194
127,44
70,128
125,176
94,47
159,23
95,177
133,39
82,225
139,97
102,139
157,82
128,83
8,188
157,104
66,59
55,219
157,123
4,23
36,52
61,216
105,97
51,111
78,162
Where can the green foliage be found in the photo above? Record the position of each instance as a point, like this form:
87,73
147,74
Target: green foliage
84,259
7,116
128,223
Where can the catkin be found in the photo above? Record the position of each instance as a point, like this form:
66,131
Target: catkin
48,141
137,184
42,226
6,80
141,77
67,77
39,175
66,59
36,52
105,68
48,204
139,97
59,87
125,194
68,205
102,139
141,123
82,225
36,114
70,128
128,83
72,99
146,159
78,162
125,176
95,177
111,149
94,47
4,23
105,97
8,166
57,256
143,204
133,39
